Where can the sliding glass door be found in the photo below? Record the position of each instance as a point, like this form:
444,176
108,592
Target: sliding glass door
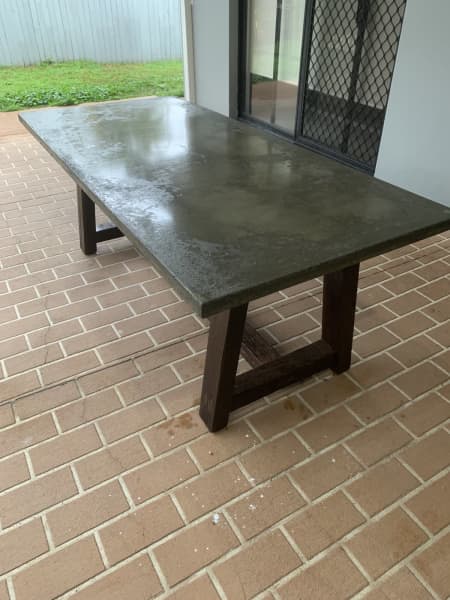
319,71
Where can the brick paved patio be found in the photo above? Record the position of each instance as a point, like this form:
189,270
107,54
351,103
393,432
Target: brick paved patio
336,488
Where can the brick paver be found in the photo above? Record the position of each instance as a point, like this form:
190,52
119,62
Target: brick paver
110,484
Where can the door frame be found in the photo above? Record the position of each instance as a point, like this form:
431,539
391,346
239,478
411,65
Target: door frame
187,34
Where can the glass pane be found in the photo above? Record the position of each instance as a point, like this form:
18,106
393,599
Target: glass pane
275,30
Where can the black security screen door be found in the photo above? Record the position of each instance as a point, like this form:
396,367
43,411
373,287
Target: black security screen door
319,71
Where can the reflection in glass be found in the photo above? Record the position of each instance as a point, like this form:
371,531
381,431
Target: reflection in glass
275,30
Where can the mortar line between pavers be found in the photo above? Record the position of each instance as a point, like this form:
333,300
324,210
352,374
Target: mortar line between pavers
101,550
237,458
178,507
102,367
158,570
383,577
413,517
228,503
80,489
10,588
358,565
103,574
295,547
216,584
30,468
423,581
157,347
48,533
356,504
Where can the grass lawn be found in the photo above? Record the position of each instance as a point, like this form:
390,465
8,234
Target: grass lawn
56,84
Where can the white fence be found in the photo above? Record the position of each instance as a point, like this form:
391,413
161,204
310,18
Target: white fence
32,31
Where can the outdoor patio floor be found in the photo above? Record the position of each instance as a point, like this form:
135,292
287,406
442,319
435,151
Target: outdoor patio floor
336,488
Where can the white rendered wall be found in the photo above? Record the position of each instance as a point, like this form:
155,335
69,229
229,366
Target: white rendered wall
415,146
211,41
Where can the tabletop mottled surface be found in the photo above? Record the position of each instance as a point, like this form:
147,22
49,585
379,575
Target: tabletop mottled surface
228,211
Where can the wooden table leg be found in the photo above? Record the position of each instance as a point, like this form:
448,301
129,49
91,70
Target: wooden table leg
86,222
90,233
222,356
338,314
224,391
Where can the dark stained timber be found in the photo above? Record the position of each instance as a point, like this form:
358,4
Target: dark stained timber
86,222
222,356
281,372
255,349
338,314
107,231
90,233
224,391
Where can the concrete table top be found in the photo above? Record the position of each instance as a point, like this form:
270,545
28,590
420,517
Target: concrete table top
228,211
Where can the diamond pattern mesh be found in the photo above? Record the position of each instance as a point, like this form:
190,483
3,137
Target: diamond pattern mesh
353,49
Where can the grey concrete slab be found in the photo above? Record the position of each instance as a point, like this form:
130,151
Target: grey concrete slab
228,211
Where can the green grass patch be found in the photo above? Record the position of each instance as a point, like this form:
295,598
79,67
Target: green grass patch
61,84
